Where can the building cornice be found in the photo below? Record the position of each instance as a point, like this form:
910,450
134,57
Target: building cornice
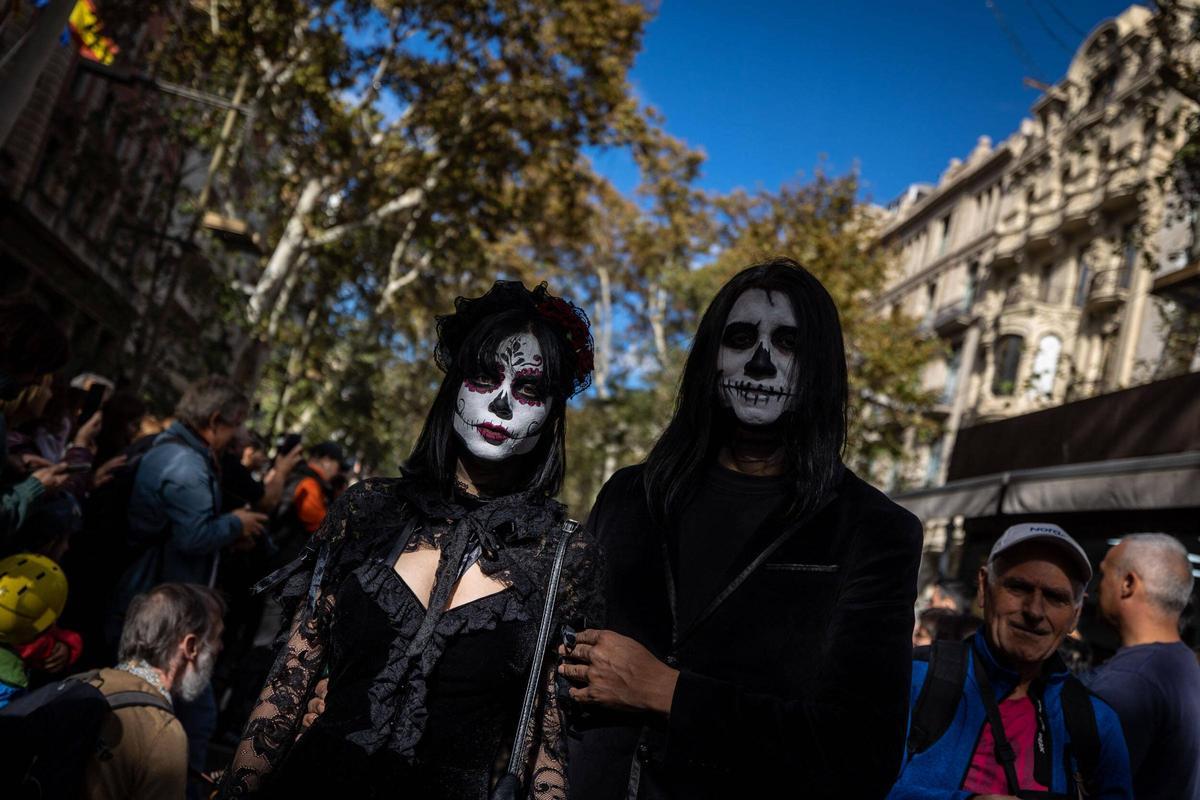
928,206
936,267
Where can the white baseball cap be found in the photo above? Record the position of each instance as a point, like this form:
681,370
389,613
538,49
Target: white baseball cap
1043,532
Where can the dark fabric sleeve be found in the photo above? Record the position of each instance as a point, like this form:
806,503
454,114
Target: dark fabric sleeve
852,720
1115,781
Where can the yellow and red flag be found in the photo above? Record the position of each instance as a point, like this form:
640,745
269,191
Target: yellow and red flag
87,28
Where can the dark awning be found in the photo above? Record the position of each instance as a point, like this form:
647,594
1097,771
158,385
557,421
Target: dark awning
1149,482
1155,419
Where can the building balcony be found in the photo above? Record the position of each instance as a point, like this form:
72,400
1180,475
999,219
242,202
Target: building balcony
1080,204
1043,227
953,318
1181,285
1121,186
1109,287
1046,295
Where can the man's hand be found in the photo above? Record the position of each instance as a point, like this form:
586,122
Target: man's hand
86,435
52,478
252,521
29,462
105,473
615,671
253,524
316,706
57,658
285,463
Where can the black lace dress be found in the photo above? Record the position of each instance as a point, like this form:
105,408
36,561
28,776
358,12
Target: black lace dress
421,703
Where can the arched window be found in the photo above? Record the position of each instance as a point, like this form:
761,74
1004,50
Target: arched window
1045,366
1008,361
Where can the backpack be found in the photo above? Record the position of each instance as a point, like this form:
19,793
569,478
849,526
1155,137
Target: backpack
38,760
938,701
288,535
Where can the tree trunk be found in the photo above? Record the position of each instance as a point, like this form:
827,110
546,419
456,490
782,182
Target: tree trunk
656,305
286,253
294,367
603,341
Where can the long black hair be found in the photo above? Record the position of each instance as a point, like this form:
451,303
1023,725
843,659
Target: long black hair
814,432
467,344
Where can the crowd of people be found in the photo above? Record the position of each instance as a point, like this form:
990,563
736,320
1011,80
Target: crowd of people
129,545
187,609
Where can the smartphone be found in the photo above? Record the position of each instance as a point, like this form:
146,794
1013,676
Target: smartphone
287,444
91,404
74,469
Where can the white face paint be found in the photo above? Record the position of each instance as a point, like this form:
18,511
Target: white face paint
497,418
757,361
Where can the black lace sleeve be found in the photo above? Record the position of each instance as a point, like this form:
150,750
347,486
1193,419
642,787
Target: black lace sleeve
548,773
274,724
581,595
580,605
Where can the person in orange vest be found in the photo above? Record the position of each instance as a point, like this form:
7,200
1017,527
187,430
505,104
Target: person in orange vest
314,493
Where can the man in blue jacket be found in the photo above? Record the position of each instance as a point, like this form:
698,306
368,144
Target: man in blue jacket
175,519
999,716
175,508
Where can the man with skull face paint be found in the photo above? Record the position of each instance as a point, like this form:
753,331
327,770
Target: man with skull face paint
759,595
421,595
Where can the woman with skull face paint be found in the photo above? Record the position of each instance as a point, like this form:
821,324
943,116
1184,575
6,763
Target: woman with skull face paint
421,595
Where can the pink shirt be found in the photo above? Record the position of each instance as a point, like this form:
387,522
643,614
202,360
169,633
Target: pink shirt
985,775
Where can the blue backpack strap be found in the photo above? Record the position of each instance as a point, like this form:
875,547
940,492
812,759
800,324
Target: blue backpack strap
940,694
1080,718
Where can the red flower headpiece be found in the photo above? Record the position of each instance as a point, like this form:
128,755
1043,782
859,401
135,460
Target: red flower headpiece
574,325
563,315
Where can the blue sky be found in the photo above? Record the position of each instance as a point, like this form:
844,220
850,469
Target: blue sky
898,87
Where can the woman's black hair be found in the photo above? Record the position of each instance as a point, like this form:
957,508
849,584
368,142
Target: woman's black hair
814,432
467,344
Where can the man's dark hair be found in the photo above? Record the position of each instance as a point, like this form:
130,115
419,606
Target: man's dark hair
945,624
212,395
813,433
327,450
158,620
435,453
30,340
120,411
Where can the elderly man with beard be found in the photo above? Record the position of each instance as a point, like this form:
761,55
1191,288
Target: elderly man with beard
171,639
760,595
999,715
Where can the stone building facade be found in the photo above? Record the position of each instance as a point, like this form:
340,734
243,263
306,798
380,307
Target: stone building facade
1054,266
98,225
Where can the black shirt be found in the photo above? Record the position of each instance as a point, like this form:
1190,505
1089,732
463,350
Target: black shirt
800,677
238,486
727,511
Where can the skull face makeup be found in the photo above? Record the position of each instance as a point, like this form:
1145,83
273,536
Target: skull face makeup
497,418
757,361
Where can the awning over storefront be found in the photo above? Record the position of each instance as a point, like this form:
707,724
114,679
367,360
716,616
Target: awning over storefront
1148,482
973,497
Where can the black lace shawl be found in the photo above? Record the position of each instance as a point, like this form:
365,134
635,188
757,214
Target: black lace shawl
516,535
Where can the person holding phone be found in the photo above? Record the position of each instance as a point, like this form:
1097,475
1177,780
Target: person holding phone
31,347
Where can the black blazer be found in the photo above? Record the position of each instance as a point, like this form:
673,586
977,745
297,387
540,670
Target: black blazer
797,680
